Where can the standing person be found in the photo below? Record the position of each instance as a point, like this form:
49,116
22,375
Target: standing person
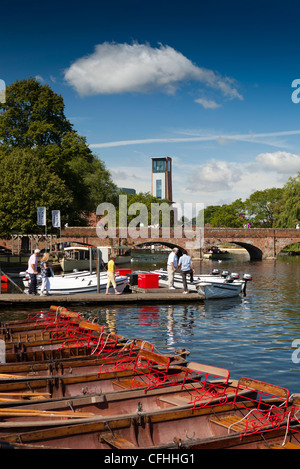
32,270
111,268
45,288
172,267
187,267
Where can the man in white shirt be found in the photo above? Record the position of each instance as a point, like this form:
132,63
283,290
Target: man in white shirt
32,270
171,267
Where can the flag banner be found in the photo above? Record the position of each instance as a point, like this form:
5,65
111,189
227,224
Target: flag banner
41,216
56,218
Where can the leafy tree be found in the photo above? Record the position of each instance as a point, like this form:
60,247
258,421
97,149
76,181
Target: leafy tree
32,115
33,118
26,183
207,213
260,206
287,211
229,215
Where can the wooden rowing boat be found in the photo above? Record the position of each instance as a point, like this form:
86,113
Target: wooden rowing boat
198,388
72,365
84,340
244,419
35,321
141,366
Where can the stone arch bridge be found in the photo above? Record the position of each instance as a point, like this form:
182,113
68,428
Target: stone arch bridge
261,243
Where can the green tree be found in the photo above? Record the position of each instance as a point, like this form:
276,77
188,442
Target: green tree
287,211
229,215
33,118
261,205
26,183
206,214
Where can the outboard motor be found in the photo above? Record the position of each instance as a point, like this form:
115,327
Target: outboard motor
215,272
235,276
247,278
229,279
225,273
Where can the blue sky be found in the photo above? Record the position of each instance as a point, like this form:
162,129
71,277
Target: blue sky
208,84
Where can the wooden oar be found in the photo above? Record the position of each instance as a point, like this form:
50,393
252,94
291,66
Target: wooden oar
8,396
7,376
43,413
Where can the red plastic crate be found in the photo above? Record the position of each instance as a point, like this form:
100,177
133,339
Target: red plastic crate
147,280
123,272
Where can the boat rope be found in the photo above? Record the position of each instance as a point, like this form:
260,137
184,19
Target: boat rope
286,430
95,348
243,418
103,346
247,415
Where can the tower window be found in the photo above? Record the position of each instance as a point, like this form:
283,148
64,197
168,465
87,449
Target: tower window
158,188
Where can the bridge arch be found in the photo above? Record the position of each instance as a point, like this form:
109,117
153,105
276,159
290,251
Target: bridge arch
285,245
255,253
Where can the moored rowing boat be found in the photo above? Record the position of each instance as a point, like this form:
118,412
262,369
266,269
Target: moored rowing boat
245,419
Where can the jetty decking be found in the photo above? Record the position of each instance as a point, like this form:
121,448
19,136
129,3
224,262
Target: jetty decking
137,296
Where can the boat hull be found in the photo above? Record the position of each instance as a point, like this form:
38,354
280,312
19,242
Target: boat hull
215,290
80,283
171,428
207,286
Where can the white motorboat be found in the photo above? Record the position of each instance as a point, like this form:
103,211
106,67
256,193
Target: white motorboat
214,285
211,290
79,282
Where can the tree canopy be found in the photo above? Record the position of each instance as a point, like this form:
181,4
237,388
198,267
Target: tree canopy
32,119
274,207
261,206
26,183
288,208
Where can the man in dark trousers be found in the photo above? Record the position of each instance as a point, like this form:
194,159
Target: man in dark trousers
32,270
187,267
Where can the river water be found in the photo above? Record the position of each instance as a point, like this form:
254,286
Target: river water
254,336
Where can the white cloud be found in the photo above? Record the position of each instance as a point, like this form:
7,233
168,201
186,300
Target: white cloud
280,161
207,103
39,78
123,68
135,177
214,175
